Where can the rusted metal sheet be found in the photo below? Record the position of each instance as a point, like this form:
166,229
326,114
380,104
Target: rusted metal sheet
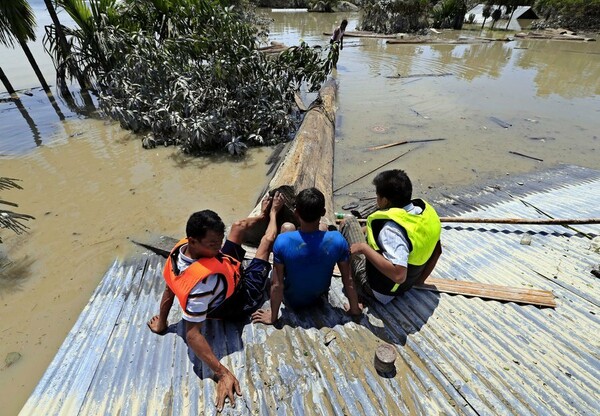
457,355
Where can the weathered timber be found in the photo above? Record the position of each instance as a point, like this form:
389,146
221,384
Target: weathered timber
309,160
436,41
553,36
365,34
488,291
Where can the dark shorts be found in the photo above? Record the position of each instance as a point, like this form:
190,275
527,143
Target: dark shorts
250,293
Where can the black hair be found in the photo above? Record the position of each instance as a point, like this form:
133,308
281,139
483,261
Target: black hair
310,204
202,221
344,23
394,185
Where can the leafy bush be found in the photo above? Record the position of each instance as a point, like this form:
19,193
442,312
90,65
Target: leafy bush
395,16
189,72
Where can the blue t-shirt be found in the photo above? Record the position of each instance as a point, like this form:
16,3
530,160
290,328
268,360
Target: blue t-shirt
308,259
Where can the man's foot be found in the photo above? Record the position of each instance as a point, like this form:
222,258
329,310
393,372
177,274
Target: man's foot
265,206
157,326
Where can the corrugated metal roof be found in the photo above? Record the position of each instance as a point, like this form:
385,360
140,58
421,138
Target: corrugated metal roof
457,355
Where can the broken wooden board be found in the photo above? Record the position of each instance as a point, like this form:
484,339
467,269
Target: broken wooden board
436,41
536,297
553,36
365,34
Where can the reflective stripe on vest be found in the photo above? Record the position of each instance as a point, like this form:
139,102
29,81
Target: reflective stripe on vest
423,230
199,270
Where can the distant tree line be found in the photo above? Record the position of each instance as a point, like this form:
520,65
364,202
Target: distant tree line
406,16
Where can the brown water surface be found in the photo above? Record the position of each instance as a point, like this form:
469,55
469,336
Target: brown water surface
92,187
92,194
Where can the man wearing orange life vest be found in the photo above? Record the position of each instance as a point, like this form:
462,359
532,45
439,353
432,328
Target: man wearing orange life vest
209,282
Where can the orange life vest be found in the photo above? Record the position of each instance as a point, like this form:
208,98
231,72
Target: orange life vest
182,284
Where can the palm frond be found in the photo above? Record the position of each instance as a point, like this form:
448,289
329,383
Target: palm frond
17,22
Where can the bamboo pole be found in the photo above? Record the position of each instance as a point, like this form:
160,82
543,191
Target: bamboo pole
527,221
385,146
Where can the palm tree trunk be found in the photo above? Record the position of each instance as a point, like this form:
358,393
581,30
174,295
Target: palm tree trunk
41,78
7,83
65,50
35,66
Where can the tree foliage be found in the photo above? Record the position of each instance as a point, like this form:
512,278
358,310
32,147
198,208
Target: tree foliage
17,22
395,16
190,73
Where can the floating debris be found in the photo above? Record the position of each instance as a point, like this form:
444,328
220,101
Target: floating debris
501,123
11,358
527,156
379,129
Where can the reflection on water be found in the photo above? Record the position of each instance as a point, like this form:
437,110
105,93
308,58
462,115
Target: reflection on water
91,186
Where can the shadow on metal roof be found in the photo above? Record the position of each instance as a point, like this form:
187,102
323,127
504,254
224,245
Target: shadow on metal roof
457,355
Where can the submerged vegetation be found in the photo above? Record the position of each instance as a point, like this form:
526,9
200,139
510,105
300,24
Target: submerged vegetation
188,72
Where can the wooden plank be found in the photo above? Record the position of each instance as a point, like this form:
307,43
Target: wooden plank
488,291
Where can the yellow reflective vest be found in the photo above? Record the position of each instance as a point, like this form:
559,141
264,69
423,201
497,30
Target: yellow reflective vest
423,231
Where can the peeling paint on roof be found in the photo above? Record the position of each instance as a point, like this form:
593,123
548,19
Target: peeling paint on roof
457,355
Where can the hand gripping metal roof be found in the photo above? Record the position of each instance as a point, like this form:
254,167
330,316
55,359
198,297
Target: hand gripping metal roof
456,355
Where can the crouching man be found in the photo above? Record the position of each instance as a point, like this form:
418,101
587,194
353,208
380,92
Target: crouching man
209,282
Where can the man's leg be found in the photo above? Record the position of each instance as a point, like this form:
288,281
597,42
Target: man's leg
256,274
239,228
352,232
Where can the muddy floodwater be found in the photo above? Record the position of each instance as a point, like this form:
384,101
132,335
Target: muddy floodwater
92,188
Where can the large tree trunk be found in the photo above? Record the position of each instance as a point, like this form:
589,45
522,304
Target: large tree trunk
7,83
35,66
41,78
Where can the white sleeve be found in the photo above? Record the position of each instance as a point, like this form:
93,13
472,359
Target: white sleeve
394,244
206,295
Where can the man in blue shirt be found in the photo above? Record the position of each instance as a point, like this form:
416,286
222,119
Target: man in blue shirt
304,260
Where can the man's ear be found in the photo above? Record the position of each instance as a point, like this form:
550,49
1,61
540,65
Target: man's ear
386,202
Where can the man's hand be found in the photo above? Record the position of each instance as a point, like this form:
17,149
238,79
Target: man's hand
227,386
263,316
359,248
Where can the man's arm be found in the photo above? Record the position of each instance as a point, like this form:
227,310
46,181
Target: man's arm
430,265
348,283
227,384
158,323
269,316
394,272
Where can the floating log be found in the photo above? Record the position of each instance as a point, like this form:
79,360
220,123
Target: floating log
445,74
488,291
385,146
553,36
365,34
436,41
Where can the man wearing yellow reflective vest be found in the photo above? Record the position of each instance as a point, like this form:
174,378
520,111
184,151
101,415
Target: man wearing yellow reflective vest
402,240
